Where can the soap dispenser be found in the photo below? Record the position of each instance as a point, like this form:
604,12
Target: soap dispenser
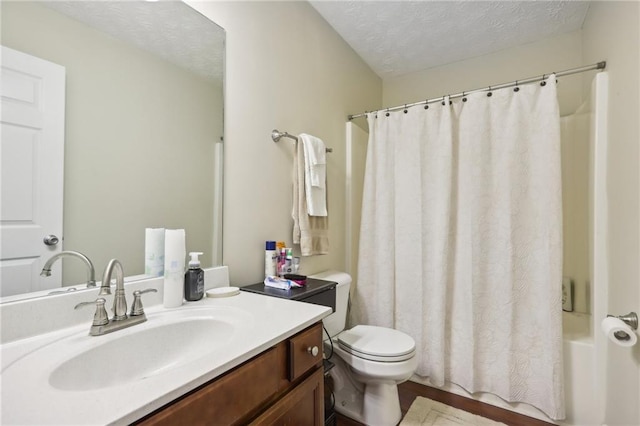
194,279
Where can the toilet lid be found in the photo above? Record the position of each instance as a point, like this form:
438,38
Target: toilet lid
377,343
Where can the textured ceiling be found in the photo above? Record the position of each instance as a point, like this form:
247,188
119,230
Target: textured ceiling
400,37
169,29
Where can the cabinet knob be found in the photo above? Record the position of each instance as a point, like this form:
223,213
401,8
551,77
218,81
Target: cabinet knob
313,350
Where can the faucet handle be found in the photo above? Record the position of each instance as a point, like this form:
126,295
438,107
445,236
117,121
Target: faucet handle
100,317
136,306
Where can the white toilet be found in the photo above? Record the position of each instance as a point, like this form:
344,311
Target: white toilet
369,361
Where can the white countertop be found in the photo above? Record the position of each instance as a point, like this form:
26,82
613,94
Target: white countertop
30,399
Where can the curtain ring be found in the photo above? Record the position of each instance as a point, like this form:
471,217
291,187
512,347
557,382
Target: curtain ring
516,89
443,101
464,98
489,94
426,104
405,108
543,83
387,114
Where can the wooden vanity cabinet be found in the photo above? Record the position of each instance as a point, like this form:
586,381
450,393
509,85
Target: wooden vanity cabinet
281,386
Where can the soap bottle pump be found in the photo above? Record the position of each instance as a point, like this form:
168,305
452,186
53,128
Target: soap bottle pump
194,279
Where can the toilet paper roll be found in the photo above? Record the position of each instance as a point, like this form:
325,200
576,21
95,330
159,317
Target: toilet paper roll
175,253
618,332
154,252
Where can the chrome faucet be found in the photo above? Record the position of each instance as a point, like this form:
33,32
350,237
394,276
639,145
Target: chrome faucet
119,301
91,282
101,323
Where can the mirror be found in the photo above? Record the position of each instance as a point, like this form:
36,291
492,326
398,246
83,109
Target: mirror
143,123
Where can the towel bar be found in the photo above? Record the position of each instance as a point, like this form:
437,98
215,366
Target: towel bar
276,135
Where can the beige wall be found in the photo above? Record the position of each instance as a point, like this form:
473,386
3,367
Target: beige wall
138,143
286,69
530,60
612,31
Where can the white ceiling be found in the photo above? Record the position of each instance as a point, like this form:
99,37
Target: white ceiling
400,37
169,29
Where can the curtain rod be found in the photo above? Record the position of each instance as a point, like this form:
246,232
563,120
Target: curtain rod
597,66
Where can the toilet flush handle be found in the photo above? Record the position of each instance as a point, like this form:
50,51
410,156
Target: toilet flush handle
313,350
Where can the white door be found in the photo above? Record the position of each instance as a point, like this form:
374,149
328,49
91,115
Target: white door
31,178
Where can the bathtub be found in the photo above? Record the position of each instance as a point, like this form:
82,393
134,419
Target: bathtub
579,377
577,327
579,369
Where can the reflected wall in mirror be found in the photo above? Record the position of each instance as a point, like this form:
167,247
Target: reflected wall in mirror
143,132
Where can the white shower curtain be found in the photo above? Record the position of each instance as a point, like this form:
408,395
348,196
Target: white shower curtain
461,241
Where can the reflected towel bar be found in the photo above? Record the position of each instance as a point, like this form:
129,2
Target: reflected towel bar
276,135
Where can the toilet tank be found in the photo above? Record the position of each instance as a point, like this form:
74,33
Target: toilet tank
336,322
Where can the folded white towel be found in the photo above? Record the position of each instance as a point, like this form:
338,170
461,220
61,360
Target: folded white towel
315,177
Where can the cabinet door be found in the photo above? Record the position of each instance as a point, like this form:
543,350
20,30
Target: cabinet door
304,405
227,400
305,351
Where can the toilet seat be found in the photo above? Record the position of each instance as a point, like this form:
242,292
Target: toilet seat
377,343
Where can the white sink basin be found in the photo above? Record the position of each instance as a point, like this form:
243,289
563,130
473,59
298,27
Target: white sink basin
166,341
142,354
66,377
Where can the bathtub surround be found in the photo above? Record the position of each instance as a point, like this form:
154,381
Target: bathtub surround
468,195
612,29
575,207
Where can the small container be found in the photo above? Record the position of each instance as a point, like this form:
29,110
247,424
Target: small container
288,263
194,279
299,279
280,248
270,259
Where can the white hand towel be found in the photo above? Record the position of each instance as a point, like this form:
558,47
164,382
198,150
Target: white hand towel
315,176
311,232
316,159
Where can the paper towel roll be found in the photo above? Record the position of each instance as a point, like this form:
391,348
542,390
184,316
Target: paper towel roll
175,253
619,332
154,252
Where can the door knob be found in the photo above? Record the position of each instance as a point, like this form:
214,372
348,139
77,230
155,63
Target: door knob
51,240
313,350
